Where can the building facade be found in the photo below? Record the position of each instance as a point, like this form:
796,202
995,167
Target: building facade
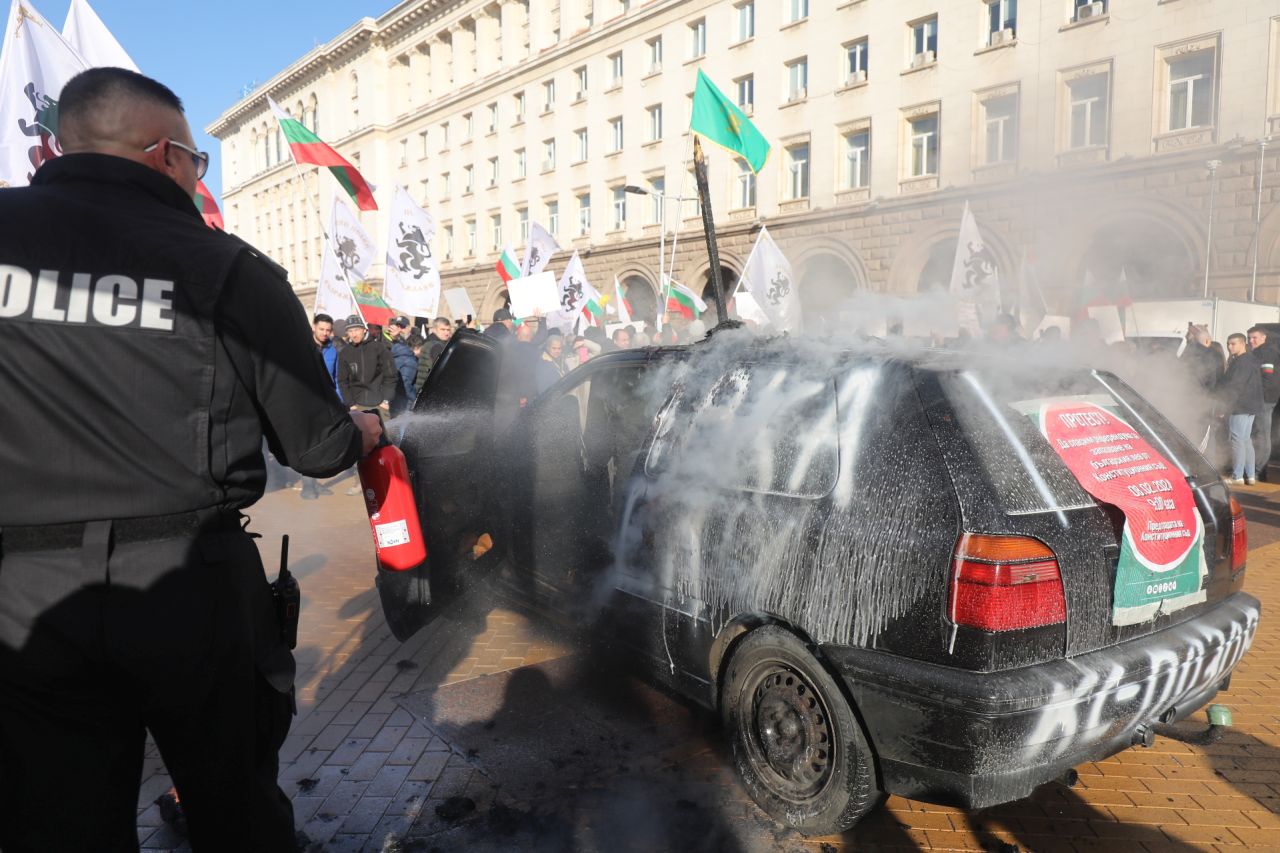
1105,141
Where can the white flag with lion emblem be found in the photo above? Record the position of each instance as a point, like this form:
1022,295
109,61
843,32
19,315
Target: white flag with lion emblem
37,63
975,281
413,277
353,245
768,278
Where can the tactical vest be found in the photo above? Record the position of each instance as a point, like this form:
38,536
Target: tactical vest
108,285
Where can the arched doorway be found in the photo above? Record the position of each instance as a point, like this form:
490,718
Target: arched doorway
642,297
935,276
827,286
1137,258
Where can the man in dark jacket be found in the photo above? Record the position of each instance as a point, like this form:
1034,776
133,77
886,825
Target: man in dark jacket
502,324
1240,400
441,332
131,599
1268,357
322,337
366,376
406,364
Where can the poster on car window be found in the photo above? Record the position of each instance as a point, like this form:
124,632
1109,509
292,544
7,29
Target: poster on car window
1162,566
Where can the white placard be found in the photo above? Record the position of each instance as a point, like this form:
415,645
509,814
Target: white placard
392,533
459,302
534,294
1108,319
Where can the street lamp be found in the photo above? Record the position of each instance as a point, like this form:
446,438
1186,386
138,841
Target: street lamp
1212,166
663,198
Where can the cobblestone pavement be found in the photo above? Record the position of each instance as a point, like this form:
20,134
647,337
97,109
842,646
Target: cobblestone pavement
533,745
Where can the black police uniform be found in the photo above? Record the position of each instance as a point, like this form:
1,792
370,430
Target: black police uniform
143,356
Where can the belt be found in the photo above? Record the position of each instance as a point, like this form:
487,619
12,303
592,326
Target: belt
63,537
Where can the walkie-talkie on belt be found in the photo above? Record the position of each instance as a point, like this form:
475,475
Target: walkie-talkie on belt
288,598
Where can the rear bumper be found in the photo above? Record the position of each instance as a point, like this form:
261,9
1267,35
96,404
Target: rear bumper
978,739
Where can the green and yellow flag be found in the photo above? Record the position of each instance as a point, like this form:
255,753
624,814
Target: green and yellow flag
719,120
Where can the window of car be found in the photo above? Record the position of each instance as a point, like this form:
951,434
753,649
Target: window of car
770,429
1000,417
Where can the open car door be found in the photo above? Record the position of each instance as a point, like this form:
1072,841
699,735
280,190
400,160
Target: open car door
448,443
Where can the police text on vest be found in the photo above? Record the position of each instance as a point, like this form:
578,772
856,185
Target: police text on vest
114,301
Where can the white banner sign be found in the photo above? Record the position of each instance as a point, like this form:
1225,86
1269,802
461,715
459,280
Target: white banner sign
534,294
459,302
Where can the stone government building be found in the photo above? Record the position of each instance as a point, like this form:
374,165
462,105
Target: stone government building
1086,136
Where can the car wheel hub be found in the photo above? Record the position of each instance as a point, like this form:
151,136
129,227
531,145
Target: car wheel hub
789,734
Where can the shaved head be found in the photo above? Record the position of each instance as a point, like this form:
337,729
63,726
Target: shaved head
120,112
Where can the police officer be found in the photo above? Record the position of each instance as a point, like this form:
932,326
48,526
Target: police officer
131,601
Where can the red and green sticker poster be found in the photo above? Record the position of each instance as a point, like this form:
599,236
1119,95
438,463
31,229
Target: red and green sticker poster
1162,564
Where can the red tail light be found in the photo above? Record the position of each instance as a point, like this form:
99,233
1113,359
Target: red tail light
1239,538
1003,583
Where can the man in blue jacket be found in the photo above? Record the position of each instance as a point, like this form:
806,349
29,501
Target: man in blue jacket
406,362
322,336
1240,401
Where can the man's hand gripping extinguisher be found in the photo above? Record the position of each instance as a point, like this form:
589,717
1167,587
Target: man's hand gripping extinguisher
402,579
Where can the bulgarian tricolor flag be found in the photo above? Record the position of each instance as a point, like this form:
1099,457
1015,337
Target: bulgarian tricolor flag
683,301
208,207
507,266
371,305
306,147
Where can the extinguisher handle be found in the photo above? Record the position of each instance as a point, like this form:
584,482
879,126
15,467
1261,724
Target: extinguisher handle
383,441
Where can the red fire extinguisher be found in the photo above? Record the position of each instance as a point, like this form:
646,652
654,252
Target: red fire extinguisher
393,513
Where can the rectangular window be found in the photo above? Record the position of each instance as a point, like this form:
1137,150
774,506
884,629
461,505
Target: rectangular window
422,141
423,186
1002,21
493,172
798,171
924,42
1001,129
857,160
496,221
619,208
522,214
698,38
444,185
468,180
580,75
522,167
548,96
553,217
797,10
744,186
797,79
657,186
493,118
855,62
404,152
448,242
519,105
655,54
471,238
655,122
615,68
1191,90
746,15
580,136
444,137
584,214
548,155
1088,110
747,93
468,125
615,135
924,146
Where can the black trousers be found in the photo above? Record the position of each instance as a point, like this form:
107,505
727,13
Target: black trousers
101,644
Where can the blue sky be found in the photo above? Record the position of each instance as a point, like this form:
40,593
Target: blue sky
208,51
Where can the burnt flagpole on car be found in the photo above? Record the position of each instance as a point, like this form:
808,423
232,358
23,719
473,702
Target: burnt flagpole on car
709,229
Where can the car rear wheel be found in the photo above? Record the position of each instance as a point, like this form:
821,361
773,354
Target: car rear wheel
795,741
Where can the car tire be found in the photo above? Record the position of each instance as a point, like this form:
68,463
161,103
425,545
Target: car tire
795,741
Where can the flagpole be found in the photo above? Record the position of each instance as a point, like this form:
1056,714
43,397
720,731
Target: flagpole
709,228
675,235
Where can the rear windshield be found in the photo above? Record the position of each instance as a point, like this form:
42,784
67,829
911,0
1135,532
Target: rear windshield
1010,421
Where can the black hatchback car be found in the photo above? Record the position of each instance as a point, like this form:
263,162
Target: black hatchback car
928,574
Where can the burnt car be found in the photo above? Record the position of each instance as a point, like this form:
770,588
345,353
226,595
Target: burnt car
946,576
